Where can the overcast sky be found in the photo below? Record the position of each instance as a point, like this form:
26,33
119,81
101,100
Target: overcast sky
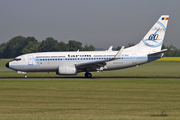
98,22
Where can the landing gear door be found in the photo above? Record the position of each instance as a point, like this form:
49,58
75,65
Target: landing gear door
30,60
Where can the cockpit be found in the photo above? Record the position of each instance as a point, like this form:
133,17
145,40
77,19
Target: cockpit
17,59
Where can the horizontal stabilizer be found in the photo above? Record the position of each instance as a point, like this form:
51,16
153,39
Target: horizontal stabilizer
162,51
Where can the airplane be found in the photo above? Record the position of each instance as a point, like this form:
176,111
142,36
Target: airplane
71,63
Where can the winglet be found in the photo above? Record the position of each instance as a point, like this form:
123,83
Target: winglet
118,55
110,48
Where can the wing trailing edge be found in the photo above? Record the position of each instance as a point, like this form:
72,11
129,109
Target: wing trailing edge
99,63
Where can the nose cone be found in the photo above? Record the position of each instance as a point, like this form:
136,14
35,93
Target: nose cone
7,65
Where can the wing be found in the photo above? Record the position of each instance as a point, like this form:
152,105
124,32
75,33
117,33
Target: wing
99,64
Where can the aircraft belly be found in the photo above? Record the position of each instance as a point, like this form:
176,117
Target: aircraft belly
113,65
119,64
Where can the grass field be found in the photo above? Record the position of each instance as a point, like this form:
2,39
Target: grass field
94,99
90,99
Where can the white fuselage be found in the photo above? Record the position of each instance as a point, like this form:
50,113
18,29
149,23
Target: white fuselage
50,61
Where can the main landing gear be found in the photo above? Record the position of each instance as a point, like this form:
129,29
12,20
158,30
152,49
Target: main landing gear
88,75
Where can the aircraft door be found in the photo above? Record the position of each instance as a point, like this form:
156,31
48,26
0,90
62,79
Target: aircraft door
30,60
134,58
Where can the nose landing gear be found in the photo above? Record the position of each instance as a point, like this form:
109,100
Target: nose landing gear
25,74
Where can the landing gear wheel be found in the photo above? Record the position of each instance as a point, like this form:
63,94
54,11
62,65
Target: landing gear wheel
88,75
25,76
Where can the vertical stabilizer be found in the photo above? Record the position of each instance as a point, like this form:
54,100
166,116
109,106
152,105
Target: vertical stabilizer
153,40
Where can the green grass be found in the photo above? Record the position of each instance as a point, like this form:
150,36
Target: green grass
152,69
93,99
90,99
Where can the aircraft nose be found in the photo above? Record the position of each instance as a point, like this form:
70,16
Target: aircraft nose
7,65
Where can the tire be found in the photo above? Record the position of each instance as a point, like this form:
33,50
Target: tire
25,76
88,75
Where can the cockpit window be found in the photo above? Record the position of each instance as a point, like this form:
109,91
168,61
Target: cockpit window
17,59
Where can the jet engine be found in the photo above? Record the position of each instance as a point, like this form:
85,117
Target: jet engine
66,70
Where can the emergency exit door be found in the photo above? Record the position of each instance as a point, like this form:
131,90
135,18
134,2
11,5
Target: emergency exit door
30,60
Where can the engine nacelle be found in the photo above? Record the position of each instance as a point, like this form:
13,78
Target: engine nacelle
66,70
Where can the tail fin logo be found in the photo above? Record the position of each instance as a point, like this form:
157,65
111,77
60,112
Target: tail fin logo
154,38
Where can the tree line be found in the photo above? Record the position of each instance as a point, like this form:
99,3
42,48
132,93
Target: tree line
21,45
174,52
